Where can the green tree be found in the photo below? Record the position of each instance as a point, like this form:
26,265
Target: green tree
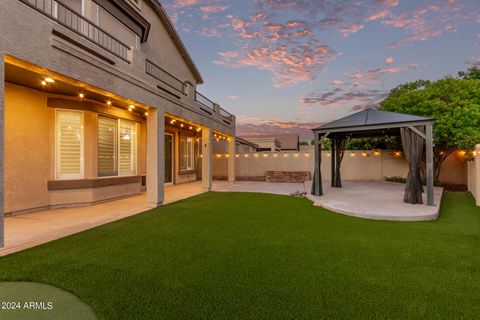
472,73
453,103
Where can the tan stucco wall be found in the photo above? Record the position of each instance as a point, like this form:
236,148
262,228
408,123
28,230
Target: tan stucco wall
28,145
355,166
30,154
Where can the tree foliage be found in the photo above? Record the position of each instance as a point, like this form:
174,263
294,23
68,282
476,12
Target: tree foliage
472,74
454,103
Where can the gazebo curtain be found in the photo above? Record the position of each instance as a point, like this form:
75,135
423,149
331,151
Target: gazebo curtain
412,145
338,150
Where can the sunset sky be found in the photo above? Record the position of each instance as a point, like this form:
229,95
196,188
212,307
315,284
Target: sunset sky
285,66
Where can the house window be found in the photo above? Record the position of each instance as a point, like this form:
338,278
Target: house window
187,153
69,144
117,147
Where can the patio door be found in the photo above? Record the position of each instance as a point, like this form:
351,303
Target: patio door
168,158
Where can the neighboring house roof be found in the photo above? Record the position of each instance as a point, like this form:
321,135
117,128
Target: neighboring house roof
246,142
371,117
288,141
176,39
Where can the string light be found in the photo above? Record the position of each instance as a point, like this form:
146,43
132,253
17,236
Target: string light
109,103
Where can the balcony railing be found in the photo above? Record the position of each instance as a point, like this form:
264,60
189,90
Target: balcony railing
74,21
164,77
204,101
224,113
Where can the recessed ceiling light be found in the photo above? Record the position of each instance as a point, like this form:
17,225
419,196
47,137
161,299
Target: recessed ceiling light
81,95
49,80
44,83
131,106
109,102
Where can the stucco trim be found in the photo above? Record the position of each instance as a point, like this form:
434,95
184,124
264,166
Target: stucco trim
90,106
91,183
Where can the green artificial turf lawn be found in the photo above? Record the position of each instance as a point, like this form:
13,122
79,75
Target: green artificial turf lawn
258,256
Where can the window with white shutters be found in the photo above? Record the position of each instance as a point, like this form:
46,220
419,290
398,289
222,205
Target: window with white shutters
107,146
117,147
69,144
127,148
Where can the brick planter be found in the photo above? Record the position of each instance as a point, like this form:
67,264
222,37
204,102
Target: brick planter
287,176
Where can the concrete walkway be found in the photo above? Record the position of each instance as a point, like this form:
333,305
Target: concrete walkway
32,229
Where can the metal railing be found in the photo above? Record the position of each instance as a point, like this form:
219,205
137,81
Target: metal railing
74,21
204,101
164,77
224,113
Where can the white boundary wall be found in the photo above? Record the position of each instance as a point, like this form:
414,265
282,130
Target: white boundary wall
356,165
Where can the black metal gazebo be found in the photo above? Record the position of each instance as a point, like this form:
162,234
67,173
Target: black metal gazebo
414,131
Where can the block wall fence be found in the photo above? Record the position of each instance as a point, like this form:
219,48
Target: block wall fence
356,165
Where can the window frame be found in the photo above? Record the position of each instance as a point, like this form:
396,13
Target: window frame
189,166
69,176
117,142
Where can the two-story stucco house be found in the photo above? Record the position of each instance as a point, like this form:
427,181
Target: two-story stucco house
98,100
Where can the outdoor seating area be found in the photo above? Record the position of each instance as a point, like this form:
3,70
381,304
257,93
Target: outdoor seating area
378,200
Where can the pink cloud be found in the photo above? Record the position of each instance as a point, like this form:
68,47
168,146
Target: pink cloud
352,29
213,9
337,82
389,60
288,64
233,98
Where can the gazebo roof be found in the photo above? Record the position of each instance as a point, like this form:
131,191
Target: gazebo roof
372,119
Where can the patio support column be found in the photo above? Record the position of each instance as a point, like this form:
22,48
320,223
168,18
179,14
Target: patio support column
155,157
317,174
231,159
429,154
207,158
2,96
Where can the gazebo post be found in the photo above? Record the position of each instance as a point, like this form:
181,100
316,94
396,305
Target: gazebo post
429,154
333,161
317,175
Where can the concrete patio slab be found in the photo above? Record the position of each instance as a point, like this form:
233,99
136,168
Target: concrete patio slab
379,200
